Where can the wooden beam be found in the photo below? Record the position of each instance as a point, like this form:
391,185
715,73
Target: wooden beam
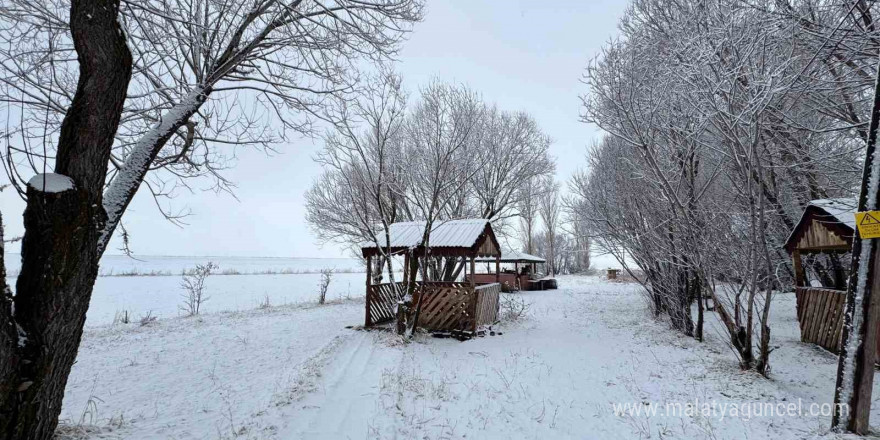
473,269
498,269
798,268
367,319
406,268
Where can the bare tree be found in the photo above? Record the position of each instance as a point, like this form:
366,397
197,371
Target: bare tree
192,64
712,108
355,200
528,214
193,285
438,156
43,321
208,76
548,206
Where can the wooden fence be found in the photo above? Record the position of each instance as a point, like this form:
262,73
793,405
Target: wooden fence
381,303
444,305
820,313
488,302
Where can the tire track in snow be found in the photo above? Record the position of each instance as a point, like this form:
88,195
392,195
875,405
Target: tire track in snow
343,405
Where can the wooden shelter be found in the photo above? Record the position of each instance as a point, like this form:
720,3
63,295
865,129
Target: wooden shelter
826,228
524,275
446,305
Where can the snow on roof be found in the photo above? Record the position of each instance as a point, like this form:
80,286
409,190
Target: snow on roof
51,183
841,210
447,233
515,256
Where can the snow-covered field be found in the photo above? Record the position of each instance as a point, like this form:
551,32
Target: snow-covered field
151,284
565,371
156,290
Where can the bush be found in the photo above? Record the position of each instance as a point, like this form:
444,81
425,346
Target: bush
193,284
514,308
147,319
326,275
265,304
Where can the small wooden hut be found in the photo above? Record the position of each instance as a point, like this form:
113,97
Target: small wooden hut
445,305
823,236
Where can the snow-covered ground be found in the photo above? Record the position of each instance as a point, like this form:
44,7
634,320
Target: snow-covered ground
568,370
157,290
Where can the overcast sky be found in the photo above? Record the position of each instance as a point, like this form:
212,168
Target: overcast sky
522,55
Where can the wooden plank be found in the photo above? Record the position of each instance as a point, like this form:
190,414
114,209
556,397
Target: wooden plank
818,324
828,340
831,343
815,323
812,319
368,318
810,304
823,316
799,298
828,319
805,306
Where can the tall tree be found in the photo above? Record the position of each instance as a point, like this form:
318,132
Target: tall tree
287,57
548,207
43,322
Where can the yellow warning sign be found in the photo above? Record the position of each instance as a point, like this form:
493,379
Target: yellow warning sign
869,224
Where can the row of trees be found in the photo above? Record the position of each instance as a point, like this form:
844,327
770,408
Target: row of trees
449,155
724,118
546,229
110,95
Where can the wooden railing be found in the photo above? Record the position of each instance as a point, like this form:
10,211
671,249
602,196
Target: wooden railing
381,303
820,313
488,302
444,305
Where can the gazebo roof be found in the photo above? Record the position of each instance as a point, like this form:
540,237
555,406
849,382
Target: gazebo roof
827,224
515,257
466,237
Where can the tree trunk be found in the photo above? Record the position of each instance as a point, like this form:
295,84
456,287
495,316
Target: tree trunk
59,248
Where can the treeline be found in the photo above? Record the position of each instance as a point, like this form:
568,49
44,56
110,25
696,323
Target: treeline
724,119
446,154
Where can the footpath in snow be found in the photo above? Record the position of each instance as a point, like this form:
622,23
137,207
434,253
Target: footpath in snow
587,362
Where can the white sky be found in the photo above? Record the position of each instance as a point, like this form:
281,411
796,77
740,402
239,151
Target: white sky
523,55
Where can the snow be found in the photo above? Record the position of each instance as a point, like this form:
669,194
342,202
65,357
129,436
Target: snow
298,372
208,377
288,281
449,233
51,183
130,175
841,210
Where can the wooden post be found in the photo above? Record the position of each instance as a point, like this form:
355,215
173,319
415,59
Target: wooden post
474,300
473,268
518,285
798,269
464,270
498,269
405,268
368,319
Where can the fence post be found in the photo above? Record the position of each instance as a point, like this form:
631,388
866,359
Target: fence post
368,319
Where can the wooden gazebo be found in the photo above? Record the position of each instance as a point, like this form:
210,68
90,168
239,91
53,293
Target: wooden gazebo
445,305
525,279
826,228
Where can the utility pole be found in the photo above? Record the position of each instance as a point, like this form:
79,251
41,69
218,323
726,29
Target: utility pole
855,368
